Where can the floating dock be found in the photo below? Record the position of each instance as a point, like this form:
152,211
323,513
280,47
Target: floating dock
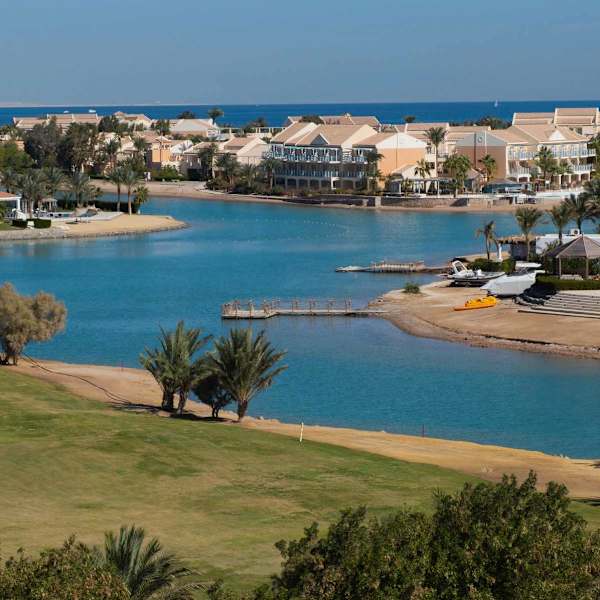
388,266
294,308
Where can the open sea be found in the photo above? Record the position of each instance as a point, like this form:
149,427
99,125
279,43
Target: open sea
361,373
275,114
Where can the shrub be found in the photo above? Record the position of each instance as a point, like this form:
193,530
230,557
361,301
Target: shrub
551,284
42,223
411,288
507,265
19,223
277,190
166,174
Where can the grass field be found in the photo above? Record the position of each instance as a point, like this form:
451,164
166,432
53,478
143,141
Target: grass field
218,495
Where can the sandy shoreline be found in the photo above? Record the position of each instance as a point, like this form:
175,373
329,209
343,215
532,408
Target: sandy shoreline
190,190
121,225
135,390
430,314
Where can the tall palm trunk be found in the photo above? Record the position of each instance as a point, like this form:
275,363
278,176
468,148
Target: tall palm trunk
129,201
168,400
182,401
118,197
242,408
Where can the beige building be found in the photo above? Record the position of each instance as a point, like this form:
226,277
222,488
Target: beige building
585,121
63,120
515,150
166,152
345,119
194,127
137,120
336,156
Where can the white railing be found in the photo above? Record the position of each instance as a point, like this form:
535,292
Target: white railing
581,168
523,155
518,171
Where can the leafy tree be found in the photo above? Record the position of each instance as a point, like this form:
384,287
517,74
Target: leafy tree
54,179
244,366
11,157
215,113
110,124
436,136
457,166
527,218
77,148
229,167
25,319
42,143
66,573
209,391
489,541
186,114
488,231
148,572
561,215
10,179
373,173
546,163
489,165
580,208
409,118
316,119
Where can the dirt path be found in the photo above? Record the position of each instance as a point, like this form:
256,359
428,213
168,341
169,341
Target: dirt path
135,389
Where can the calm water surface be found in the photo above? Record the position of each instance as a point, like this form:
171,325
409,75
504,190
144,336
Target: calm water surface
353,372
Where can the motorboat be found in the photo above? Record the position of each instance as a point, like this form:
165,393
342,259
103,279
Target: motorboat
515,283
476,303
462,276
349,269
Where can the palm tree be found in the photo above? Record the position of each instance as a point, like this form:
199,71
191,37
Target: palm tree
215,113
111,148
546,162
488,231
149,573
422,169
248,174
436,136
80,188
373,173
140,195
158,363
139,145
115,176
527,218
130,180
229,166
33,189
270,166
457,166
55,179
580,208
489,166
594,144
10,179
244,366
561,215
207,159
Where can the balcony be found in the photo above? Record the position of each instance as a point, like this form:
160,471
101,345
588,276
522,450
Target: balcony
582,168
519,172
523,155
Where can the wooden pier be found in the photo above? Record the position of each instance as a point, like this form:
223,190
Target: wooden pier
388,266
294,308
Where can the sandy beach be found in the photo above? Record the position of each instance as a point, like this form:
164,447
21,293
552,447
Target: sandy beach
121,225
193,191
431,314
136,390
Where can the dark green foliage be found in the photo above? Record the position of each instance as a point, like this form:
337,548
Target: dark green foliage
186,114
42,143
42,223
19,223
77,148
412,288
13,158
167,173
66,573
209,391
551,284
311,119
488,542
507,265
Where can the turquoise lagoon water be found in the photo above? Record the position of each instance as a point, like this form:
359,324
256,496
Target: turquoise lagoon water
351,372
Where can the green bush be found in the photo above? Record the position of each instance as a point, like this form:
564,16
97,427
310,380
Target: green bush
19,223
507,265
412,288
166,174
42,223
551,284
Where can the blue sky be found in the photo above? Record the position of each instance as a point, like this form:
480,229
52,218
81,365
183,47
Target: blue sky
277,51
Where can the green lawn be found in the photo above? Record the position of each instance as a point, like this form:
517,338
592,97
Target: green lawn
217,494
6,226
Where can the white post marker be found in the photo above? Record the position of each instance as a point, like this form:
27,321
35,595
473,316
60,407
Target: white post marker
301,431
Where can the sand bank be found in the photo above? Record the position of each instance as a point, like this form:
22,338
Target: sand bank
134,389
192,190
431,314
121,225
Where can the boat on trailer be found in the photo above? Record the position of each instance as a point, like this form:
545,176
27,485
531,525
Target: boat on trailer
465,277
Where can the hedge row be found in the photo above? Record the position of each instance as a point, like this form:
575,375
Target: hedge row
37,223
551,284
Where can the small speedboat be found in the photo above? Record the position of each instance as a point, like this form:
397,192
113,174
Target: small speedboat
516,283
463,276
349,269
475,303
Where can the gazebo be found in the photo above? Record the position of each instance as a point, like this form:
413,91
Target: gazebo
582,247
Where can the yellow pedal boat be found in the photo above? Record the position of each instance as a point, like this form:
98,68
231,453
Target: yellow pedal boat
475,303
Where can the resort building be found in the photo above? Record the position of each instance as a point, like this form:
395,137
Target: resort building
195,127
136,120
515,151
63,120
585,121
10,200
247,150
337,156
345,119
166,152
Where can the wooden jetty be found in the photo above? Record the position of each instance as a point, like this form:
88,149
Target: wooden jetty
390,266
294,308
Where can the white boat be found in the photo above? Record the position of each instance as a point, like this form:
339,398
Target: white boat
349,269
463,276
516,283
